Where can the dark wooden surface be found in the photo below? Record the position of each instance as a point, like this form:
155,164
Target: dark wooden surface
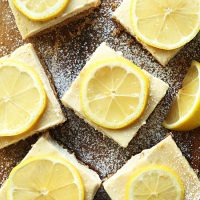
65,51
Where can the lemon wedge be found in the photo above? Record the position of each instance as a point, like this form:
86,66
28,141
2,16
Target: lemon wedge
113,93
185,110
166,24
43,178
41,10
155,182
22,98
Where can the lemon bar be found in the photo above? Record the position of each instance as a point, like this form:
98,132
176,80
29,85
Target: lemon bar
45,146
28,28
123,136
53,115
122,16
164,153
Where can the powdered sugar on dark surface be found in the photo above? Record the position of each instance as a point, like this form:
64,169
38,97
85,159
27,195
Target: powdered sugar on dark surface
65,51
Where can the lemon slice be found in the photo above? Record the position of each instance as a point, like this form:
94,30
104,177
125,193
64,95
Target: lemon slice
45,178
113,93
22,98
166,24
41,10
155,183
185,110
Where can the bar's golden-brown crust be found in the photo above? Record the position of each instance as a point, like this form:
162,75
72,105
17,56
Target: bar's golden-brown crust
29,28
164,153
157,91
121,17
66,22
45,146
53,114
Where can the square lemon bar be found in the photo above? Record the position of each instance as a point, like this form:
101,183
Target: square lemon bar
122,16
52,115
28,28
164,153
123,136
45,146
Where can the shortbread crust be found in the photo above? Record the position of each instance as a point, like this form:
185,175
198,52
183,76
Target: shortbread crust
53,114
164,153
45,146
28,28
122,16
123,136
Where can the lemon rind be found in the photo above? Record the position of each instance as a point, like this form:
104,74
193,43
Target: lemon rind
180,125
53,159
153,167
42,91
156,44
44,18
95,65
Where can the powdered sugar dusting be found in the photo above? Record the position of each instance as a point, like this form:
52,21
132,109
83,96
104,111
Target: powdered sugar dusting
9,40
65,51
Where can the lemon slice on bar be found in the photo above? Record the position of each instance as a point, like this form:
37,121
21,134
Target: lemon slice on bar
155,183
184,113
113,93
165,24
43,178
22,98
41,10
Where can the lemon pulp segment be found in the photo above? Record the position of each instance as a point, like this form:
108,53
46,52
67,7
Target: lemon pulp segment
22,98
155,182
166,24
184,113
41,10
45,178
113,93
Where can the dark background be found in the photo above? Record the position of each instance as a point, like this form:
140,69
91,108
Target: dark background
65,51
